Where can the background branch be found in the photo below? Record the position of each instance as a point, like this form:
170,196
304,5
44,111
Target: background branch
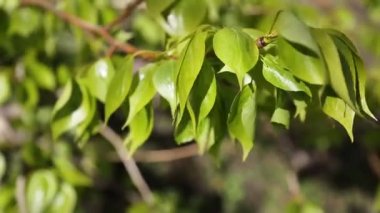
130,165
127,12
95,29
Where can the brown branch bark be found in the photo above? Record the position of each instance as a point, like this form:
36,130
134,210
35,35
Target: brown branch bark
128,162
166,155
127,12
95,29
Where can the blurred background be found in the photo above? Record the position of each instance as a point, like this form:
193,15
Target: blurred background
312,167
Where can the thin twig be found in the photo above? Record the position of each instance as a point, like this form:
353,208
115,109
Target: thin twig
156,156
129,164
95,29
127,12
20,194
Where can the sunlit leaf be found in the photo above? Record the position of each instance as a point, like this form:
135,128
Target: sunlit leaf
5,87
143,93
70,173
164,82
24,21
294,30
3,166
39,72
302,63
237,50
65,200
337,109
188,68
156,7
41,189
98,77
277,75
119,87
241,118
140,128
281,116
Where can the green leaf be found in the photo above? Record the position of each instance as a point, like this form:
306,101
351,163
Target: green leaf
41,74
24,21
3,166
337,76
184,131
188,68
337,109
70,173
300,105
279,77
304,64
71,109
143,93
98,77
140,128
156,7
203,95
281,116
5,87
205,136
164,82
119,87
183,19
241,118
237,50
7,196
65,200
41,189
294,30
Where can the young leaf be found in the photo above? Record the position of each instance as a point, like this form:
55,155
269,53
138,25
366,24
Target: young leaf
302,63
119,87
163,80
98,77
281,116
237,50
143,93
277,75
188,66
337,109
140,128
241,118
294,30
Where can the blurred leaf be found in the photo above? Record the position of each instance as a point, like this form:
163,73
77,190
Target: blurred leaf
41,74
188,68
183,20
294,30
241,118
24,21
156,7
337,109
281,116
278,76
98,77
203,95
164,82
237,50
300,105
140,128
70,173
3,166
7,195
119,87
65,200
302,63
41,189
143,93
5,87
32,93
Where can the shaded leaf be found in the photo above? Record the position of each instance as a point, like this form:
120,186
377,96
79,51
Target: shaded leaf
237,50
277,75
140,128
337,109
5,87
241,118
3,166
70,173
119,87
39,72
184,131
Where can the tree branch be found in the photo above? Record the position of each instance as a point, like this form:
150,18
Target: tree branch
95,29
20,194
127,12
129,164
